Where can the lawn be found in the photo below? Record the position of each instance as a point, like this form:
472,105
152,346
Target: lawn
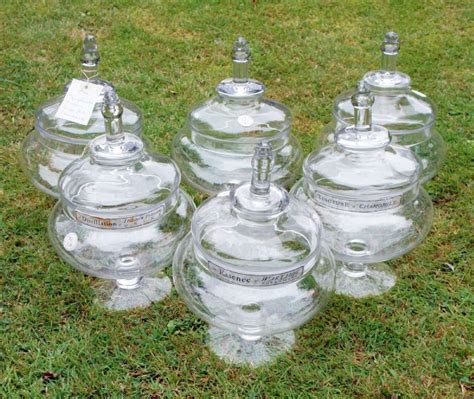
416,341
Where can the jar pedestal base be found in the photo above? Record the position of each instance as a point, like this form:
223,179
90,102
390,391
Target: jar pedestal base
253,352
362,280
134,293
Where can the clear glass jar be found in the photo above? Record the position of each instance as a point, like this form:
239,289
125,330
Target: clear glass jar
254,267
121,215
370,199
408,114
214,150
55,143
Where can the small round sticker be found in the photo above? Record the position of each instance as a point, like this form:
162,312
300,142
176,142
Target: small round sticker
70,241
245,120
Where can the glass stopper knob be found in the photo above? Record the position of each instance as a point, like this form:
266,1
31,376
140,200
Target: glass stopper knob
262,165
388,76
240,60
391,43
90,53
112,111
362,100
112,107
241,50
260,199
363,135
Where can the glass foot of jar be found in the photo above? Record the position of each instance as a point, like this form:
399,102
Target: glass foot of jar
250,351
359,280
138,292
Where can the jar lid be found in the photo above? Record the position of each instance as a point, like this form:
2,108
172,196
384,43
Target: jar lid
257,227
117,177
397,107
362,162
59,129
240,113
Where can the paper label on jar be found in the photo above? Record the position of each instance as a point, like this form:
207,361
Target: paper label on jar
70,241
245,120
357,205
119,223
79,102
255,280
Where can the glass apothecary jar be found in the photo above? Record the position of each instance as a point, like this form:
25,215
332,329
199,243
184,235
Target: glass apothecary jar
254,266
214,150
408,114
368,194
121,215
55,143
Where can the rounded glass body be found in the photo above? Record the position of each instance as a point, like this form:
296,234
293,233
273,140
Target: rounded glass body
252,311
55,143
126,252
215,149
254,266
368,235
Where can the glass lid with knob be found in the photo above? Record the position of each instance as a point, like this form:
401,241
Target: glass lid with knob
56,141
397,107
121,214
254,266
368,194
408,114
215,148
362,161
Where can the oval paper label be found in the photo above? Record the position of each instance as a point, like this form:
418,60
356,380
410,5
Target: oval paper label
245,120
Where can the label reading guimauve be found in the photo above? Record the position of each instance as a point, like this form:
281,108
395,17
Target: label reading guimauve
119,222
255,280
381,204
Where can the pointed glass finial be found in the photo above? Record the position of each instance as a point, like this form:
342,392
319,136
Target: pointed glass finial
262,165
363,135
260,199
112,111
90,56
240,60
387,77
362,101
240,86
115,145
390,48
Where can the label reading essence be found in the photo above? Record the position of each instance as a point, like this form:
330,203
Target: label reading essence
255,280
357,205
119,223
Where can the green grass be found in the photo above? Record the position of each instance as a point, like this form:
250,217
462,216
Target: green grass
416,341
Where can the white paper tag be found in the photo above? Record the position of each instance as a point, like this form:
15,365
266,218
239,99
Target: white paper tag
79,102
120,223
256,280
382,204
